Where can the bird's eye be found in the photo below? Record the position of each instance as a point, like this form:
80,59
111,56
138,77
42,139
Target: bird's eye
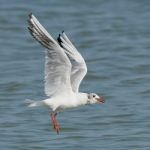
94,95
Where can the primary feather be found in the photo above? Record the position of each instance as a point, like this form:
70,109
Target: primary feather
57,64
79,68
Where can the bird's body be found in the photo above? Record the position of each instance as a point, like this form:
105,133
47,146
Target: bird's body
57,103
64,70
69,100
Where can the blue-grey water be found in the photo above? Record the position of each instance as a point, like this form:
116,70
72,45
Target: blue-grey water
114,39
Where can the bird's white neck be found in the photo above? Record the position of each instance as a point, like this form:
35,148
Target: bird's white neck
82,98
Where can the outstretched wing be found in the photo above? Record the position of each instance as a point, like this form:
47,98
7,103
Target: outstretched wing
79,68
57,64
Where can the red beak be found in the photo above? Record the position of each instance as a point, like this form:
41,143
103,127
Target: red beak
100,100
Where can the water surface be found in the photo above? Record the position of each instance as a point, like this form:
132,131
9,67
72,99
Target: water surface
114,39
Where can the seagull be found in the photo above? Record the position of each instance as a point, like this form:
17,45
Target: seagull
65,68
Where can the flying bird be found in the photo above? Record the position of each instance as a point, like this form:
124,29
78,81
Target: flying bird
65,68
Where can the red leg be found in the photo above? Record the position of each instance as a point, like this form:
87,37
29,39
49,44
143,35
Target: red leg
54,122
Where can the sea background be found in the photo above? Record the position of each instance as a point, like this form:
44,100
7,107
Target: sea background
114,38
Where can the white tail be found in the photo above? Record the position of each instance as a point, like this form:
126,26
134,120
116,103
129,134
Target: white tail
32,103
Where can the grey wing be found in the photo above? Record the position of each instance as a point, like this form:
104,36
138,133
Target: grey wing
57,64
79,68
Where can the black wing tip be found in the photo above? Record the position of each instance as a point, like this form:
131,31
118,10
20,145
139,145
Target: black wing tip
59,40
30,29
30,15
63,31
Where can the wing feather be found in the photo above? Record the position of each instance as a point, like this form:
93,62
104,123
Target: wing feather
57,64
79,68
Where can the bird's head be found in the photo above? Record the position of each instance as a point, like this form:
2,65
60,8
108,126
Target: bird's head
94,98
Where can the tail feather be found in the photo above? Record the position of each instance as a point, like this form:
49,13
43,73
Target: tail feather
32,103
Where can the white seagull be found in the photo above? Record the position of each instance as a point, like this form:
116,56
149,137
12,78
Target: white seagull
64,70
